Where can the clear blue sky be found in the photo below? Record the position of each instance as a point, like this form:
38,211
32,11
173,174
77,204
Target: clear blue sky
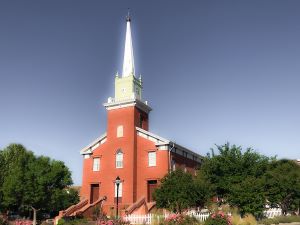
214,71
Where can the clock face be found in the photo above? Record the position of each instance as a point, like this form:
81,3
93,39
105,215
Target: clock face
123,90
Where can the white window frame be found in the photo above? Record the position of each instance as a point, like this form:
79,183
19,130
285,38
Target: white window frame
152,158
120,190
119,159
96,164
120,131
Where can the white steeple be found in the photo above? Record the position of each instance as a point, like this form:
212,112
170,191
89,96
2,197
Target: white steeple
127,86
128,63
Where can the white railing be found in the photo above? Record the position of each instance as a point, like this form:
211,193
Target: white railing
200,216
139,219
272,212
149,218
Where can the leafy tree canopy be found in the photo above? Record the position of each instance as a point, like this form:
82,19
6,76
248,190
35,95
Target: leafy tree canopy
282,181
177,192
236,177
36,182
231,166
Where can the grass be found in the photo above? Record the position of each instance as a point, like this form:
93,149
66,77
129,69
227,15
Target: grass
280,219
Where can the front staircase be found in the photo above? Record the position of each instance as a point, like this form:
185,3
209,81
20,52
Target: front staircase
141,206
83,208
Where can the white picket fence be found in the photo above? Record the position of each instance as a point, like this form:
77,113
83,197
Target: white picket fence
201,216
149,218
142,219
272,212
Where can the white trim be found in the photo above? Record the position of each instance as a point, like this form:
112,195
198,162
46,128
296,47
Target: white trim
112,104
95,144
164,144
118,106
152,137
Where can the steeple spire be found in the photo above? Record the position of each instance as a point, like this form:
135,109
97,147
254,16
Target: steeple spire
128,63
127,86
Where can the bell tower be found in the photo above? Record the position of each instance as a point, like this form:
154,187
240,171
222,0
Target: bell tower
127,86
128,93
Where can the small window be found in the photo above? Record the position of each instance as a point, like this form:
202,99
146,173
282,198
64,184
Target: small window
120,131
152,158
119,159
96,164
120,190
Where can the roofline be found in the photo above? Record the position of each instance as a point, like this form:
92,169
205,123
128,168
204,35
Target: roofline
153,135
186,150
163,142
87,149
171,144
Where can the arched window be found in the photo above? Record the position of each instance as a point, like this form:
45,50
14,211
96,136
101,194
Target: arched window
119,159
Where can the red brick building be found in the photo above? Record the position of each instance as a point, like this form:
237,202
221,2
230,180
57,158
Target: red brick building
128,150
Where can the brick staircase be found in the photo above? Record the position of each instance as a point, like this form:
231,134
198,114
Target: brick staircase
83,208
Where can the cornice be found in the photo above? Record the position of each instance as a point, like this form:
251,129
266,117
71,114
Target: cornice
112,104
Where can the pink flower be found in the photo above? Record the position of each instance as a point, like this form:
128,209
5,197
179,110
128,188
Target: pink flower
110,222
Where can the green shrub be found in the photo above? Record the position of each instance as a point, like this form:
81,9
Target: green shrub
72,221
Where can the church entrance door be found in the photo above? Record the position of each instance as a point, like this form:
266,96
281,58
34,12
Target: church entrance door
152,185
94,193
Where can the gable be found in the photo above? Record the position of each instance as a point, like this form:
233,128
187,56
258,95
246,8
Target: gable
95,144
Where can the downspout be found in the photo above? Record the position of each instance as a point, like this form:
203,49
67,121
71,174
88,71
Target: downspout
170,156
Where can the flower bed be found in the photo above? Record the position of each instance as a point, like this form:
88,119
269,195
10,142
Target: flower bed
179,219
218,218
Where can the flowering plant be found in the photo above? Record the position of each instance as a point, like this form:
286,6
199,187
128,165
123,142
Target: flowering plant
218,218
179,219
112,222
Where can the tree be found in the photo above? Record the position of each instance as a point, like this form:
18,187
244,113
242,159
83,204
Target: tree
35,182
177,192
204,190
231,173
63,199
2,164
282,181
248,196
14,158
